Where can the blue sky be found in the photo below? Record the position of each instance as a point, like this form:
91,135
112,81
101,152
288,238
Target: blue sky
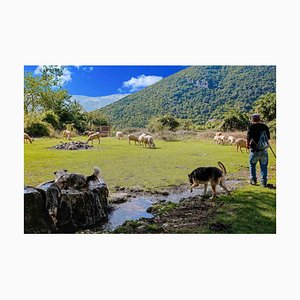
96,81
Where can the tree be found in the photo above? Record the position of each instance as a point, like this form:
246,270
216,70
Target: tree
41,91
235,120
95,119
166,122
266,107
44,94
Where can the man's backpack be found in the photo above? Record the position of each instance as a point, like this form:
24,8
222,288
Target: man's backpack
263,141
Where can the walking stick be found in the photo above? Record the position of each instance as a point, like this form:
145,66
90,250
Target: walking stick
272,150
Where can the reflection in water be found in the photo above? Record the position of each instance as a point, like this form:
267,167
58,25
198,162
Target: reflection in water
136,208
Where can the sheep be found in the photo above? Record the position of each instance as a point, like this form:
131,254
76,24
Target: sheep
27,137
218,133
141,139
216,138
221,139
230,139
241,143
67,134
119,135
148,140
93,137
89,132
134,138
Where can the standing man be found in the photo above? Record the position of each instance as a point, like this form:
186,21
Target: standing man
258,136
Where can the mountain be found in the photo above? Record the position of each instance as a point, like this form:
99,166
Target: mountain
199,93
93,103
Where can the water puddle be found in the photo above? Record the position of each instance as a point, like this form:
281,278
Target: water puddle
136,208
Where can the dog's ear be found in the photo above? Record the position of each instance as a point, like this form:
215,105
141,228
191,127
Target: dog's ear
66,171
55,172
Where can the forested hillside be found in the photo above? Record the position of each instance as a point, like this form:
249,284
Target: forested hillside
198,93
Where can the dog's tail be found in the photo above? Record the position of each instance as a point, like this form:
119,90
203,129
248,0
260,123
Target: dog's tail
96,172
222,168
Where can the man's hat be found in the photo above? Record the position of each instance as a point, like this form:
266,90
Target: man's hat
255,117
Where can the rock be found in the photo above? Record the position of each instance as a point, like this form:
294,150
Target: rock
75,145
78,210
118,197
36,219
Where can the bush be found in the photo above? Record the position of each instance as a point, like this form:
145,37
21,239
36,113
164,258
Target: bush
51,118
166,122
38,128
235,120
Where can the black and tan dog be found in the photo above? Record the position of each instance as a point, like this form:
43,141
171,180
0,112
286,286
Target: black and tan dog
212,175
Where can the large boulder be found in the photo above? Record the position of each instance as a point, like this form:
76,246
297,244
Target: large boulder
78,209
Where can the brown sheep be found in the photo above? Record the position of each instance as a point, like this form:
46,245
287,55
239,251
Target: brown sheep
241,143
66,134
93,137
134,138
27,137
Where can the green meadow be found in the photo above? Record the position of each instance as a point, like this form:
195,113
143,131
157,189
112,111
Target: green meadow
253,209
129,165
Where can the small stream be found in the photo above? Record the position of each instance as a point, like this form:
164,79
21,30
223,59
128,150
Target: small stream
136,208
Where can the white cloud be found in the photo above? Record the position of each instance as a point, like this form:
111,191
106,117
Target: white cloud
38,70
142,81
88,69
66,76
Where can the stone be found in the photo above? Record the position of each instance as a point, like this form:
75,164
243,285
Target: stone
79,209
118,197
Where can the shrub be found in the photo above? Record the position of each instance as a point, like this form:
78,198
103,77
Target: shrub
235,120
35,126
166,122
51,118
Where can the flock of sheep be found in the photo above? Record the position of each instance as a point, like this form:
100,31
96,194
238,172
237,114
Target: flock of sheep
144,139
147,140
221,139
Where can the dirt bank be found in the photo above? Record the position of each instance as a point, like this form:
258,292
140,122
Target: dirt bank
192,215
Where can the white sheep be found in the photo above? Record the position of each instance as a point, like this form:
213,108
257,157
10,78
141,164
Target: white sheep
148,140
216,137
141,139
221,139
119,135
93,136
230,139
241,143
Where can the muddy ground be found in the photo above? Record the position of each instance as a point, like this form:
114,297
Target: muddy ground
191,215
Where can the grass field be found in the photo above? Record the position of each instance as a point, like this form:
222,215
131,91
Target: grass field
253,209
131,166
